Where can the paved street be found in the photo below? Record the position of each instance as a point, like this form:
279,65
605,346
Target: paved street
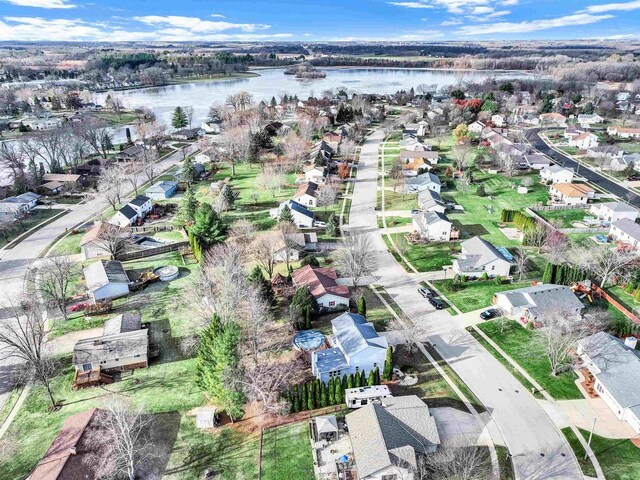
533,136
538,448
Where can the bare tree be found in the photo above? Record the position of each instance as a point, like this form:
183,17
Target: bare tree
97,136
234,145
456,462
290,246
413,335
112,239
242,232
271,178
462,156
326,196
12,159
265,249
53,280
439,135
23,337
110,187
556,245
521,260
604,262
347,149
295,147
355,257
188,112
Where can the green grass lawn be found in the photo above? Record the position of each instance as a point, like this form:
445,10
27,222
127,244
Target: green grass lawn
585,465
398,221
619,459
476,294
522,346
623,297
286,453
426,257
565,218
399,201
68,245
31,220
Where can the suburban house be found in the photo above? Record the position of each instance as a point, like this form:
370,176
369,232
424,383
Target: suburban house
420,129
321,282
106,279
414,166
556,119
531,304
614,211
316,174
38,124
130,154
624,132
424,181
536,161
413,144
584,141
142,205
615,365
434,226
132,211
571,193
10,211
556,174
355,347
210,127
390,436
187,134
476,127
74,450
498,120
626,231
572,131
90,243
607,151
61,178
27,201
306,194
162,190
590,118
430,201
480,256
302,216
428,157
295,244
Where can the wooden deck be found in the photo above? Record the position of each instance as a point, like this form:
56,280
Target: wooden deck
91,378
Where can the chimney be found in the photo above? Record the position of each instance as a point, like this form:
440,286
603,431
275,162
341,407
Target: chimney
73,450
631,342
97,342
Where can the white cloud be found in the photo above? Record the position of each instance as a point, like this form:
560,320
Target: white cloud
197,25
481,10
452,21
41,3
510,2
217,15
410,4
610,7
531,26
489,17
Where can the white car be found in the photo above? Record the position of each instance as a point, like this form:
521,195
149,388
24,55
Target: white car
320,224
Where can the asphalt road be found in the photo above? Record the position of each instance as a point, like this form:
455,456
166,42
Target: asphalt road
533,136
538,448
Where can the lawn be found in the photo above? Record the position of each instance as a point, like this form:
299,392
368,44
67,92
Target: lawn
585,465
398,221
619,459
286,453
69,245
34,218
521,345
425,257
477,294
399,201
564,218
623,297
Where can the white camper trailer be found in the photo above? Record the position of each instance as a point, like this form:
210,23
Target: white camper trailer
361,396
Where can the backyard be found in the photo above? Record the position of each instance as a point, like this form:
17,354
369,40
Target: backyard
563,218
477,294
286,453
425,257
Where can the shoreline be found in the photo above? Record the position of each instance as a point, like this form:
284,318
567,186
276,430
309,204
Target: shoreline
184,81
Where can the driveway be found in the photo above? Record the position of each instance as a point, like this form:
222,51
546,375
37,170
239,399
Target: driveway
456,427
538,448
582,412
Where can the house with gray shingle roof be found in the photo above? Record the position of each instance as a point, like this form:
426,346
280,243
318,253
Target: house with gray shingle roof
389,437
106,279
531,304
434,226
480,256
615,365
626,231
614,211
356,347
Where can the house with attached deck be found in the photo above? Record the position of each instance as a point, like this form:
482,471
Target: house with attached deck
434,226
614,211
556,174
430,201
106,280
626,231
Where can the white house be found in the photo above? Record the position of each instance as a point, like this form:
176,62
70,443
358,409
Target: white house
614,211
106,279
584,141
626,231
430,201
498,120
480,256
556,174
555,119
615,365
23,202
433,226
389,437
316,174
321,282
536,161
125,217
571,193
533,303
424,181
356,347
38,124
142,205
624,132
210,127
294,245
302,216
306,194
590,118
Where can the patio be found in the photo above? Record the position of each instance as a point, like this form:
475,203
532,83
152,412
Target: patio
330,450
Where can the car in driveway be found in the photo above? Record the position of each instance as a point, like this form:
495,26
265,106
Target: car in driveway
425,292
633,178
491,313
436,302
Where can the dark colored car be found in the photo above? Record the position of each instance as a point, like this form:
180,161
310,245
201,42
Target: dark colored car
425,292
490,313
415,211
633,178
436,302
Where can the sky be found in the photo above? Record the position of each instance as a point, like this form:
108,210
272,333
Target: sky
317,20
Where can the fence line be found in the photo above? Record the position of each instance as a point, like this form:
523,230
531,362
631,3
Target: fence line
620,307
584,230
150,252
556,207
152,228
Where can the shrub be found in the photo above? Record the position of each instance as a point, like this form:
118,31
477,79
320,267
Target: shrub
463,279
362,307
310,260
485,276
388,365
481,191
498,280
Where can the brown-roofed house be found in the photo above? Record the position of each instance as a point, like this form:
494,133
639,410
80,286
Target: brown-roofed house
571,193
306,194
322,284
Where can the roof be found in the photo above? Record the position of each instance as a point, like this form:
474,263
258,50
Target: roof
398,428
628,226
537,159
52,185
617,207
584,135
619,367
308,188
425,219
573,189
419,154
428,199
92,234
295,207
140,200
320,281
125,322
352,334
541,298
133,150
326,423
477,252
128,212
103,272
558,168
60,461
423,179
111,347
28,197
330,359
163,186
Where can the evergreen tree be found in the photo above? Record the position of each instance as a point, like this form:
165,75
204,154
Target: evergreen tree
351,381
285,215
307,317
337,392
273,102
311,405
332,226
377,376
356,381
548,274
304,398
316,391
325,395
302,299
229,195
388,365
363,378
310,260
188,171
256,278
323,391
371,381
344,384
295,400
196,248
332,391
188,207
179,118
362,306
208,226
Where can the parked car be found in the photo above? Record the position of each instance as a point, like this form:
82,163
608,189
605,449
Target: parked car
415,211
436,302
425,292
633,178
490,313
320,224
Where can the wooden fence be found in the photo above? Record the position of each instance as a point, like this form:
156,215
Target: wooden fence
152,228
620,307
544,208
150,252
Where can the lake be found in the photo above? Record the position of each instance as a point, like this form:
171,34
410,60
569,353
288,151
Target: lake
272,82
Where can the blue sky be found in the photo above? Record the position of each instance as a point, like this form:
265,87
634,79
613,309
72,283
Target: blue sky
317,20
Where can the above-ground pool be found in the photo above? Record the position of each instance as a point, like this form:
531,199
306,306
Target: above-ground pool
308,340
167,273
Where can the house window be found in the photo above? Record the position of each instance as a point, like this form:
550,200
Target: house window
86,367
390,477
332,303
493,267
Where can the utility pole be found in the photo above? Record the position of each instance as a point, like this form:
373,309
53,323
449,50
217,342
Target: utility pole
586,450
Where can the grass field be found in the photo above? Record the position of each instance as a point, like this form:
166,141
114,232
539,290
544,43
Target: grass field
286,453
427,257
477,294
619,459
521,345
565,218
68,245
623,297
585,465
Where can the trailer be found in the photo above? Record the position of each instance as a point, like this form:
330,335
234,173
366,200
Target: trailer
361,396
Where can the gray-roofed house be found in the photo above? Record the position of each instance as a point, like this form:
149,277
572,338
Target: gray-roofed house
106,279
536,161
295,244
434,226
356,347
615,365
389,437
614,211
531,304
130,154
125,217
480,256
306,194
626,231
302,216
162,190
556,174
430,201
26,201
424,181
